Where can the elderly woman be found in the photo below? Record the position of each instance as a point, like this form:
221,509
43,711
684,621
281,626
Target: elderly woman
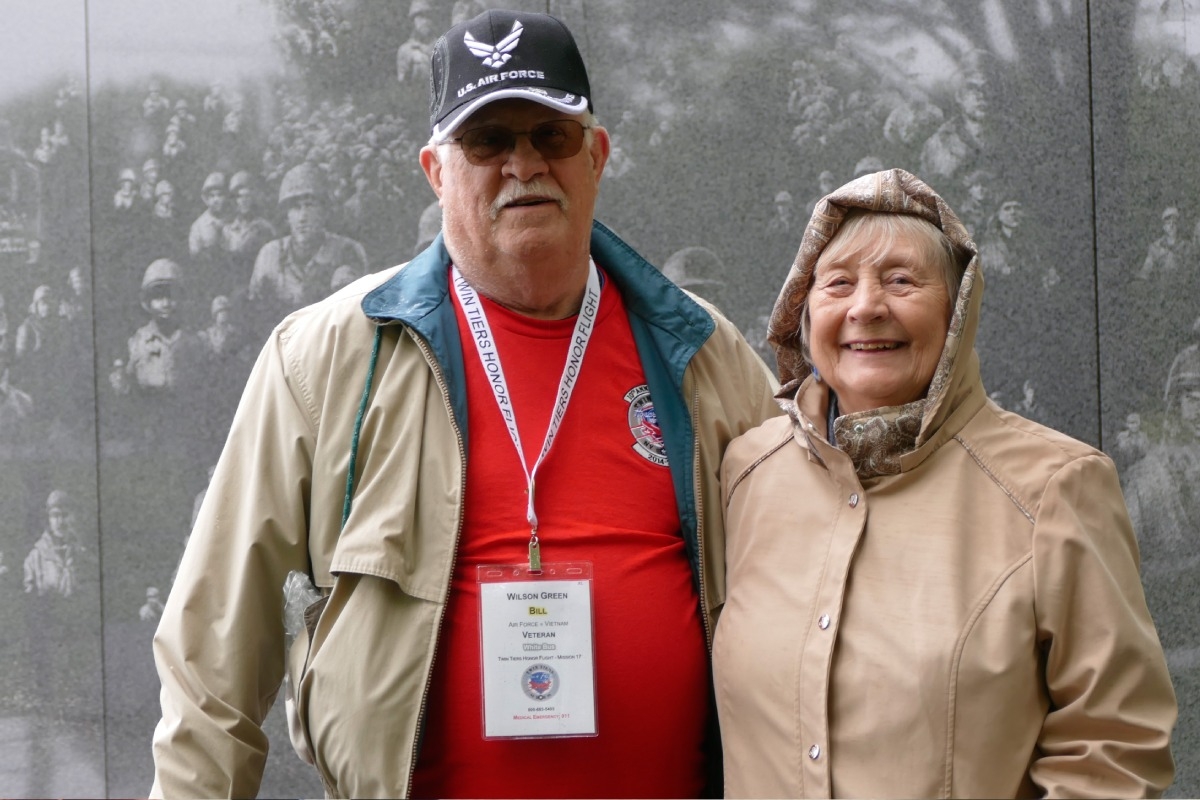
928,596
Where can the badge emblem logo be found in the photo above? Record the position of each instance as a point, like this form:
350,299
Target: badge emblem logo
540,682
498,54
643,424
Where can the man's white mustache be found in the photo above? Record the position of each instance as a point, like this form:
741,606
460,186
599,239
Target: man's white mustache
518,190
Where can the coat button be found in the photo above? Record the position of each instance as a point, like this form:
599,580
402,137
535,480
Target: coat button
854,500
814,752
823,622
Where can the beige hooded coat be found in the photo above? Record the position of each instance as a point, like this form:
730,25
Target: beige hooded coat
944,603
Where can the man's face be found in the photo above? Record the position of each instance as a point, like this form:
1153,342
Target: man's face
526,205
974,106
305,217
1010,214
162,304
60,522
1170,226
215,199
244,199
422,27
1189,409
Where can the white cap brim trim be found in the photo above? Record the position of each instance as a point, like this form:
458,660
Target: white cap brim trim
442,131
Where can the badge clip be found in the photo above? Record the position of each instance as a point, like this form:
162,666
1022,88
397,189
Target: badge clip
535,554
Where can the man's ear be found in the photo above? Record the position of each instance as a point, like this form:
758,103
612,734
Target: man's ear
601,148
432,165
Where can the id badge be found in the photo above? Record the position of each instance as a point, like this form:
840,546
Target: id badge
537,647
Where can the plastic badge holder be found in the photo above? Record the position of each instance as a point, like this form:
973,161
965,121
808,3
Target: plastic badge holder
537,648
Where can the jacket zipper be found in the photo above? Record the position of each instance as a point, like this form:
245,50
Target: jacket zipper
462,480
696,501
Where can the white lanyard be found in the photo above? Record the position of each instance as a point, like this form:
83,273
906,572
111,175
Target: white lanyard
489,357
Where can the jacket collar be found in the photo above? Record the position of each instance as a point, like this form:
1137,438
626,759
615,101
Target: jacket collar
419,289
414,291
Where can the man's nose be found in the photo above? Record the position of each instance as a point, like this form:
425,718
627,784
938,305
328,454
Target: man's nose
525,162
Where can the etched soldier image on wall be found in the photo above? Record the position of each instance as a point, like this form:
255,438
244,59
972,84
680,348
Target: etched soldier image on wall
1148,267
176,178
51,675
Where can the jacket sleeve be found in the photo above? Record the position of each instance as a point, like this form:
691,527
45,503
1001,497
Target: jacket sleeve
1107,731
219,647
735,394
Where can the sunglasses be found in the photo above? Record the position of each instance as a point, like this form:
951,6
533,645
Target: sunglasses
492,144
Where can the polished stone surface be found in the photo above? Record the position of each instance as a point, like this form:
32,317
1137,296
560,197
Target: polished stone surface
1068,150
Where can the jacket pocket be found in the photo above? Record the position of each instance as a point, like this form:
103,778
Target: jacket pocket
297,663
364,683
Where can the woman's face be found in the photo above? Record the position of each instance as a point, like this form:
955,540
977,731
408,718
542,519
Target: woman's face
877,326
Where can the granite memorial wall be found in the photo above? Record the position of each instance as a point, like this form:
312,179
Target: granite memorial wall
148,150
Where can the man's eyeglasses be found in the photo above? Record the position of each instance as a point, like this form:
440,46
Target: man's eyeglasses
492,144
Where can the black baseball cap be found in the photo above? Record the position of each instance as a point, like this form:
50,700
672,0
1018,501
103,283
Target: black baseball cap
501,54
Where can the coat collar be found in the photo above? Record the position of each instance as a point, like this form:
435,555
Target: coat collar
419,289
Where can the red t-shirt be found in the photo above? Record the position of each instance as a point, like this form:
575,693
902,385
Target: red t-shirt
604,495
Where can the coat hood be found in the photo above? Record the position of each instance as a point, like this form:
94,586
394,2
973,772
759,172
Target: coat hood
895,192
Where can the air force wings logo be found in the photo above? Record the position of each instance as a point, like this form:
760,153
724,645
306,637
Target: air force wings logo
495,55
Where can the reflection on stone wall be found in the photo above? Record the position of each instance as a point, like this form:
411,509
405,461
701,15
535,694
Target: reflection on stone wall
165,203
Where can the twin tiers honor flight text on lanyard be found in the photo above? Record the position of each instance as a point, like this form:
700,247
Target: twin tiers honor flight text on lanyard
537,645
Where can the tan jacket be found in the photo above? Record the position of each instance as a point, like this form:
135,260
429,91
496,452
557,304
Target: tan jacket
955,614
276,499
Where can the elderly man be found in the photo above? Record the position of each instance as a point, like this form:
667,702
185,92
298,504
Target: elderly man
515,535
